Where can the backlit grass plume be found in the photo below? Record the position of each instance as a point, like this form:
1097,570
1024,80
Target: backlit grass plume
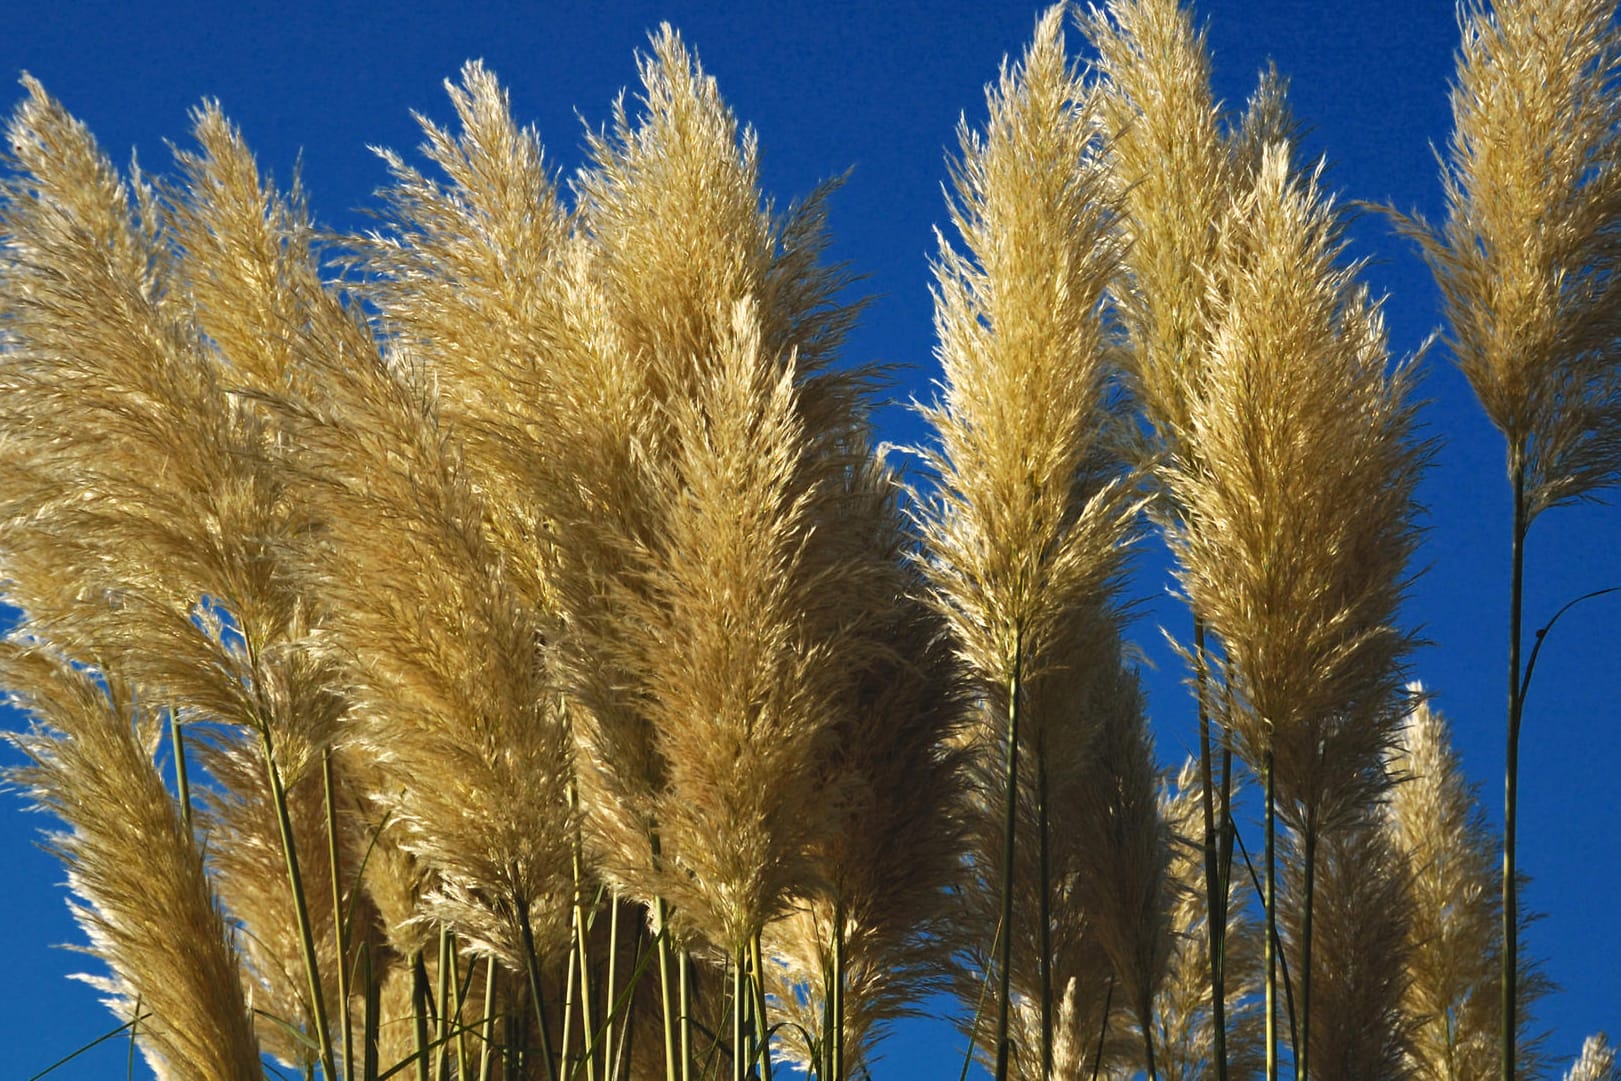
142,515
1298,405
1027,528
144,895
466,274
1170,165
1360,908
714,617
1452,999
1596,1063
861,946
1179,167
1527,261
1186,1047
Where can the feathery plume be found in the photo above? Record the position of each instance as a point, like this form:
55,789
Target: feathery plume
467,278
1168,164
1527,261
146,902
1596,1062
1361,908
1025,533
1528,255
135,452
1433,820
1294,408
862,947
1185,1046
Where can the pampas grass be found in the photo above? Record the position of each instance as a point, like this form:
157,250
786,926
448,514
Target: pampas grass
1453,996
145,899
1294,408
1030,519
423,657
1526,261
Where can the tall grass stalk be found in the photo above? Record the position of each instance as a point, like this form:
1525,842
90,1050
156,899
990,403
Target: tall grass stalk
1024,538
1004,960
1527,262
295,885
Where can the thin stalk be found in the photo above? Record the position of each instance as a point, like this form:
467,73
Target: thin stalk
1304,1050
182,785
1044,913
683,965
609,1059
835,1034
739,1056
485,1054
419,1014
295,881
1145,1011
340,926
532,964
661,916
580,939
442,1033
1103,1029
134,1029
1283,962
289,848
979,1006
462,1028
1005,973
762,1034
1271,925
1215,898
1511,770
568,1008
370,1021
627,1032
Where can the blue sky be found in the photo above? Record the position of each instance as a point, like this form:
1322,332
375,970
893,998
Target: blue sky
878,89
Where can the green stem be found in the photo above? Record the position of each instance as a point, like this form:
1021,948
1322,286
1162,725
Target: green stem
1304,1051
442,1032
339,924
419,1014
182,785
1215,898
739,1055
683,969
1511,771
531,960
580,939
568,1005
1044,912
278,797
835,1034
667,1004
134,1030
1277,943
459,1008
289,847
1103,1029
485,1055
370,1020
762,1034
1271,926
1009,834
609,1060
1145,1013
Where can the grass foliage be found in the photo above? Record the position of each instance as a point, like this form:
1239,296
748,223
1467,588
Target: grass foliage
510,657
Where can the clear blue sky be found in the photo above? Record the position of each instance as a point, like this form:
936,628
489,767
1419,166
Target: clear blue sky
879,87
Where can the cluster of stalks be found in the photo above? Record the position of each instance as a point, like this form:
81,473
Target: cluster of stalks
512,659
